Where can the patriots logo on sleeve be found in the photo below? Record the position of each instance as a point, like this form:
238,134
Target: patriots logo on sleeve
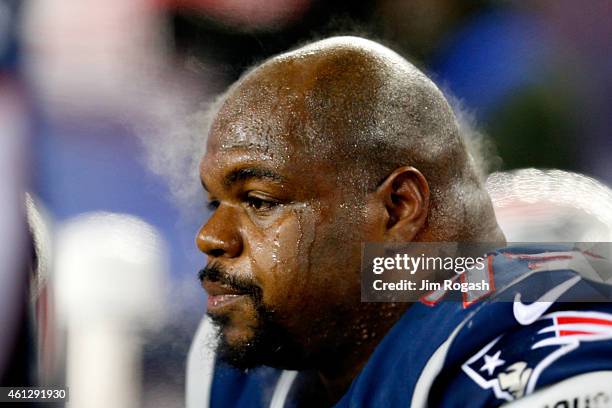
512,363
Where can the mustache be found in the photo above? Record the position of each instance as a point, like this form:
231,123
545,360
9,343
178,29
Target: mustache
215,272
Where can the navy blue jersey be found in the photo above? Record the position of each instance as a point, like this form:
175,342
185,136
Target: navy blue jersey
473,352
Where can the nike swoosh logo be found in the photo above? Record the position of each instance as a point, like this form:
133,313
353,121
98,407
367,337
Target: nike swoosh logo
527,314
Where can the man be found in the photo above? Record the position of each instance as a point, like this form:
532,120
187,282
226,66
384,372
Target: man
310,155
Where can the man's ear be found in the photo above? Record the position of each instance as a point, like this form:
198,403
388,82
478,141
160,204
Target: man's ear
405,194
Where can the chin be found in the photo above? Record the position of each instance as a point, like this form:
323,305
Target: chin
268,345
236,344
237,355
237,336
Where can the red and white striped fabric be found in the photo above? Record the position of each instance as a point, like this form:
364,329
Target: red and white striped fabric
575,326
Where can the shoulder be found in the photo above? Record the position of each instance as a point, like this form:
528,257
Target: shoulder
537,331
570,341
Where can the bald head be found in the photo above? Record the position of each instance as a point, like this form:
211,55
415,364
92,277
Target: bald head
359,110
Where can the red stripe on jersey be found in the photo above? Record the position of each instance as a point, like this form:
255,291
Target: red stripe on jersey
573,332
585,320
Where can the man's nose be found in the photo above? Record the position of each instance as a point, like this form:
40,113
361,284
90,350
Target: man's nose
219,237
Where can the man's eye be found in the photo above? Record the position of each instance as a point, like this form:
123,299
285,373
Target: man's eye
260,204
213,205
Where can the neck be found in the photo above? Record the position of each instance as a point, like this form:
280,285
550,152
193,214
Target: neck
339,372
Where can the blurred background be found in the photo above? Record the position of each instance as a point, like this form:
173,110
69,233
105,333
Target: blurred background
101,103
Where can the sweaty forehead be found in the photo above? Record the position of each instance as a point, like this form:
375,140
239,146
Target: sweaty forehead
262,122
256,117
303,101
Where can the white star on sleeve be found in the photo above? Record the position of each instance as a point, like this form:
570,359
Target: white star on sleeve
492,362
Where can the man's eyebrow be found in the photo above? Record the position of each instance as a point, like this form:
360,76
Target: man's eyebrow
252,173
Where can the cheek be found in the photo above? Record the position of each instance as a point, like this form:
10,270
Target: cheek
280,258
336,254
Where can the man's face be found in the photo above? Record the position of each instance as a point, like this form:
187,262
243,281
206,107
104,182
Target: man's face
283,243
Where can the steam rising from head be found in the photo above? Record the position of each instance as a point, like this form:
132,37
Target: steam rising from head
174,145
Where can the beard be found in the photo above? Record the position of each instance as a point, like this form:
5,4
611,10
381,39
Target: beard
270,343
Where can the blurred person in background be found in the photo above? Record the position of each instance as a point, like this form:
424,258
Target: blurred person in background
17,260
100,79
17,253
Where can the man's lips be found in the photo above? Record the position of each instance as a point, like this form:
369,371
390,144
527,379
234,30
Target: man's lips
220,295
216,302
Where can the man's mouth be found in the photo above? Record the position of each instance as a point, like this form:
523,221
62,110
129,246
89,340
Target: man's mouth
220,295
